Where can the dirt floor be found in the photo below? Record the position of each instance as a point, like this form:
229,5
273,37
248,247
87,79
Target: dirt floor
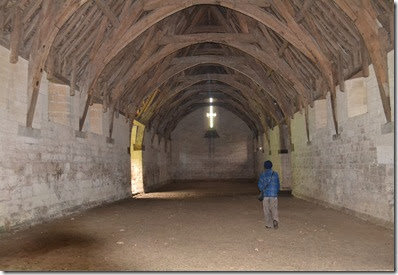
197,227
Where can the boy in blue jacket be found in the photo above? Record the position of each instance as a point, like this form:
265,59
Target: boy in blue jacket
269,183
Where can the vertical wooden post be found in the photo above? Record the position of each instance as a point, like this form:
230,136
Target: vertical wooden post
307,129
112,114
83,118
73,78
15,35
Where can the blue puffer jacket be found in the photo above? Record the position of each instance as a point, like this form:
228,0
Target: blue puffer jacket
269,184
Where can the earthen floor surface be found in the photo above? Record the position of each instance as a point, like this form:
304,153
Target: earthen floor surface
199,227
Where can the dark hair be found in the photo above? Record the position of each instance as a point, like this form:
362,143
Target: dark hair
268,164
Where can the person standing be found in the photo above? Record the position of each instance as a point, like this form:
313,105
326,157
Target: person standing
269,184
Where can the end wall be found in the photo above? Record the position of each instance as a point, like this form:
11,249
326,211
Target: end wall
233,153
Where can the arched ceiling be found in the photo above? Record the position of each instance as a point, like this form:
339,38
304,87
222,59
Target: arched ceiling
158,60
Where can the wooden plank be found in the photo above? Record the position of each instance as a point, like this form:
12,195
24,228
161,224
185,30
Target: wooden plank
50,64
30,10
321,59
307,128
85,111
15,35
108,12
2,22
81,24
112,116
333,102
283,48
73,78
340,72
365,59
301,14
88,29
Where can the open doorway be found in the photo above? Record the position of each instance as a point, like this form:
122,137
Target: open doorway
136,148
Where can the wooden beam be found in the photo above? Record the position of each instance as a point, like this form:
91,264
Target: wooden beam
211,37
333,102
340,72
307,128
301,14
2,22
30,10
302,34
50,24
85,111
112,116
73,78
109,49
376,43
283,48
365,59
108,13
15,35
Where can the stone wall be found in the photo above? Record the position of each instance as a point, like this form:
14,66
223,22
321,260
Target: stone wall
355,171
156,161
53,169
231,156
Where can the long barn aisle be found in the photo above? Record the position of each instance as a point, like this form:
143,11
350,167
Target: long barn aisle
201,226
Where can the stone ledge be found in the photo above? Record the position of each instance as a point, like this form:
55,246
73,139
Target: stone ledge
337,137
362,216
387,128
110,140
80,134
29,132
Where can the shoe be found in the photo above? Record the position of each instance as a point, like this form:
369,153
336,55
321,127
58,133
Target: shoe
275,224
268,227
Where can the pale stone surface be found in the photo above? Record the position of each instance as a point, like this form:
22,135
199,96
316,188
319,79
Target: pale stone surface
47,171
320,113
157,164
356,96
353,172
233,156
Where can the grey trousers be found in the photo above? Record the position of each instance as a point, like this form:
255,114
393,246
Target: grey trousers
270,208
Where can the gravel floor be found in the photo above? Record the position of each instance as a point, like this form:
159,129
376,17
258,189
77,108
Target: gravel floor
201,227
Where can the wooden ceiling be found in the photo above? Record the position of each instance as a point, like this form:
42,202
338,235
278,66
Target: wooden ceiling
158,60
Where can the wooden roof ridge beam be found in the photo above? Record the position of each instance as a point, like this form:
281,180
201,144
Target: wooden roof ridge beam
375,42
304,9
181,38
50,24
155,4
108,12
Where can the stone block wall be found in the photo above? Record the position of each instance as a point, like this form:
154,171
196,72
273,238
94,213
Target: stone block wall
156,161
355,171
231,158
53,169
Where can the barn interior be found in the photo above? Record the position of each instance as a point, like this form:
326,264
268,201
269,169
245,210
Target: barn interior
108,101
